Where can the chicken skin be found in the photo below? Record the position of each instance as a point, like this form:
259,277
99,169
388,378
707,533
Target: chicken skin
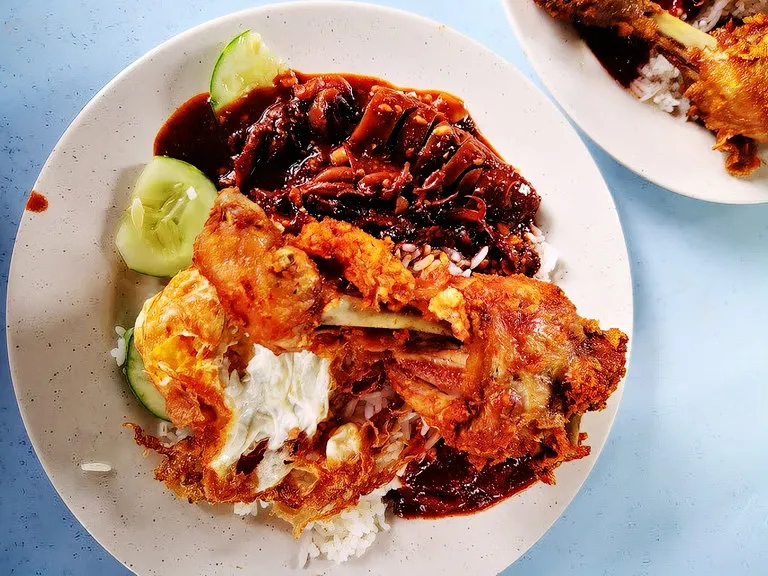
730,93
522,365
529,365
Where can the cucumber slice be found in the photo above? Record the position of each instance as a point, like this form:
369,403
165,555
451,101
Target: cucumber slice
244,64
169,206
139,382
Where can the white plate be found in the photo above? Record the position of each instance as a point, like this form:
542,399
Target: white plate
666,150
68,289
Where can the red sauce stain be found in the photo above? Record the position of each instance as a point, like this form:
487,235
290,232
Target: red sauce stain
37,202
445,483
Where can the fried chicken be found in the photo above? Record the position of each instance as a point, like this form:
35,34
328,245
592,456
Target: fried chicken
627,16
526,363
529,365
499,367
730,93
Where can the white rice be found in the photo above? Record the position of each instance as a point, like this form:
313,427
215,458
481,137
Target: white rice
349,533
247,509
169,435
423,259
549,257
102,467
478,258
661,83
120,351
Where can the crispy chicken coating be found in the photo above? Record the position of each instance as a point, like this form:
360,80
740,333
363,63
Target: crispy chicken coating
272,290
366,262
528,367
628,16
730,93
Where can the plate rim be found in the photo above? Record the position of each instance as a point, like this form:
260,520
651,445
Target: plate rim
13,270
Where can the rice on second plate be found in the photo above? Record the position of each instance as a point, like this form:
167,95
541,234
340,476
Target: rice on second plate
661,83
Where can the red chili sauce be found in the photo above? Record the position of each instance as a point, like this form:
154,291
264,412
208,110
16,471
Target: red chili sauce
37,202
447,484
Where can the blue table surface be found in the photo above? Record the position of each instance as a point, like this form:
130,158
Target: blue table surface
682,485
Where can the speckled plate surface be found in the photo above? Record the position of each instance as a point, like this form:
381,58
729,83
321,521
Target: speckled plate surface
68,288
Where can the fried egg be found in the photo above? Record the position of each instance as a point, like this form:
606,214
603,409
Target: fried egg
276,398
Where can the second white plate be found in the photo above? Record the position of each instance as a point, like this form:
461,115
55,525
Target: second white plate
666,150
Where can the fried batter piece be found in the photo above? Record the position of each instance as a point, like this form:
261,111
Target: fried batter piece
530,365
730,93
367,263
242,253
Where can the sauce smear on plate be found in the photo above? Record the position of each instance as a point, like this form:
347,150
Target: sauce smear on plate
447,484
37,202
192,134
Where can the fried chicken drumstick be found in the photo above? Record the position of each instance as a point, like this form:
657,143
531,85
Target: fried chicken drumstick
512,382
730,91
726,72
496,367
628,16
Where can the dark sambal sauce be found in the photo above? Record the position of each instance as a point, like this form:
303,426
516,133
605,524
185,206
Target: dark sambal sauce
193,134
623,56
37,202
304,148
445,483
